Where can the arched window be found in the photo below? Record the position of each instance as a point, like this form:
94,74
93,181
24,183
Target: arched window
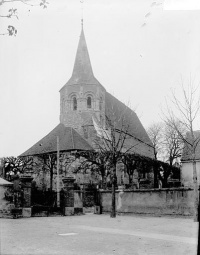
74,104
89,102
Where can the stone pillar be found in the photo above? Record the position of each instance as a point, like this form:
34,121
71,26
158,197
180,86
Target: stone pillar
17,191
26,186
68,195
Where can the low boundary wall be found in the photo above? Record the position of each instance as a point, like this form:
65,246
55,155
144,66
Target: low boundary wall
173,201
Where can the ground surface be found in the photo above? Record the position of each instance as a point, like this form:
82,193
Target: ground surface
98,234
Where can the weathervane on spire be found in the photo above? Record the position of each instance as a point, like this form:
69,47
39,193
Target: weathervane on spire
82,2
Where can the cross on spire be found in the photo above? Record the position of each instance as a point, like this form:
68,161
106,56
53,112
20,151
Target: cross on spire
82,2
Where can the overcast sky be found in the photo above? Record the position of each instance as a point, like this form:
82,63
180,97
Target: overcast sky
136,58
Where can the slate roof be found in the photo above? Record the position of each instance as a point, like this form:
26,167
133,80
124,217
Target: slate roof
187,155
69,140
82,72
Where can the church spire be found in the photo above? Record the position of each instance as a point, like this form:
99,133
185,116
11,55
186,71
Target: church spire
82,71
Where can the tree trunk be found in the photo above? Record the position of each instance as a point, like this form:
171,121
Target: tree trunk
171,161
51,179
103,177
130,179
44,181
155,154
196,193
155,170
113,206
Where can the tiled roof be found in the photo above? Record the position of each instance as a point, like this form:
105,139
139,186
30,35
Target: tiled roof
187,154
69,140
125,116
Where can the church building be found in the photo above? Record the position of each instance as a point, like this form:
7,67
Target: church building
84,99
83,102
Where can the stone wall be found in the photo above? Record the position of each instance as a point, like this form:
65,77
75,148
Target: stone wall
80,117
176,201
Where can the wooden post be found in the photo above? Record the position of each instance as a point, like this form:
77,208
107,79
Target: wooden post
58,179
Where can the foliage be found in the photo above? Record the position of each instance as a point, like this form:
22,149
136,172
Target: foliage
17,165
12,12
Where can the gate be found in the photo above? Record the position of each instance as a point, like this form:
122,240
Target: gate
44,203
90,198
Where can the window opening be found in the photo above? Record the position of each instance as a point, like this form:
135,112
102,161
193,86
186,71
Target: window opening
74,103
89,102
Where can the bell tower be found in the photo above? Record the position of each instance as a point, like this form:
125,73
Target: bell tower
82,98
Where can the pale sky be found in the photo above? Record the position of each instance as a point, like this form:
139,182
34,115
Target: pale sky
137,63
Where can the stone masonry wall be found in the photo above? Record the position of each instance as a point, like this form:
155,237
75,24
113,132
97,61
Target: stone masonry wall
177,201
80,117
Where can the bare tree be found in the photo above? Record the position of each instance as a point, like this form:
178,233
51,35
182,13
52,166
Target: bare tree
96,162
172,143
131,166
155,134
12,12
114,139
66,162
187,115
48,162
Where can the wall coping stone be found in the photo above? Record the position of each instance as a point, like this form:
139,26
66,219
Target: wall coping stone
147,190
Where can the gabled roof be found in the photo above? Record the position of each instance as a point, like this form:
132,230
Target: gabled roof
69,140
82,72
187,154
125,116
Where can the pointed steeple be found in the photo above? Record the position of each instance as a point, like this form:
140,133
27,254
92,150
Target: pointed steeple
82,72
